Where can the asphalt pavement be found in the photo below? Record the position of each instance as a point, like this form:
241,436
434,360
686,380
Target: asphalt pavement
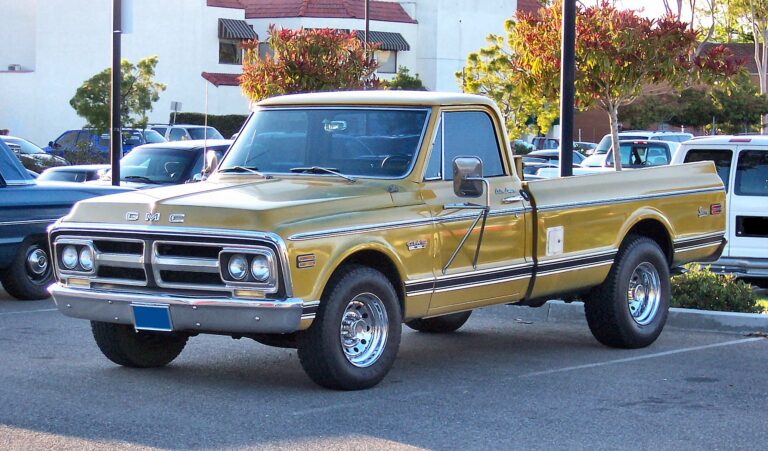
501,382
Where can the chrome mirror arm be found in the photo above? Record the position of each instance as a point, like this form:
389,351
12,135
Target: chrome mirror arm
483,214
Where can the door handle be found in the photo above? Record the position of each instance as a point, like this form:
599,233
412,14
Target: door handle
511,199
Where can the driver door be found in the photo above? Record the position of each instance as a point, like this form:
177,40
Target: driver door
502,271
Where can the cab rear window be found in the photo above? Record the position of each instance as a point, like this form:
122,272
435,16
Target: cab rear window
721,157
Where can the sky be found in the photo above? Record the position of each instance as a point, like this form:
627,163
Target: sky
651,8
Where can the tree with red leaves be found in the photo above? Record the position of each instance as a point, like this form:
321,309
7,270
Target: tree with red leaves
618,53
306,60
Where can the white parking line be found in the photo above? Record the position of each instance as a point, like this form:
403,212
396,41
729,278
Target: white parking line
641,357
29,311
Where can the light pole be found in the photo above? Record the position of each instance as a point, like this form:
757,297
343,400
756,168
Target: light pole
116,138
567,78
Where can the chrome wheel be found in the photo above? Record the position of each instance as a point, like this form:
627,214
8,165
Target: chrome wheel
644,293
364,329
37,263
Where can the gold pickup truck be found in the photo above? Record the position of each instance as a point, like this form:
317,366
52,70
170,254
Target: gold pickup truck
334,218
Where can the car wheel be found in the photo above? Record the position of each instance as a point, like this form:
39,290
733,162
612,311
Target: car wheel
125,346
630,308
30,272
353,341
440,324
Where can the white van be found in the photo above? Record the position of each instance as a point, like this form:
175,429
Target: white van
742,163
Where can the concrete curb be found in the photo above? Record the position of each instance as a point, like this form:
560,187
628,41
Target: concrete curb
679,318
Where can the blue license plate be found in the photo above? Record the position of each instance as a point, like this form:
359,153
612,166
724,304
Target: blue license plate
152,317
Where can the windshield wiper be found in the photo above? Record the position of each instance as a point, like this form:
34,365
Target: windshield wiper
322,170
244,169
141,178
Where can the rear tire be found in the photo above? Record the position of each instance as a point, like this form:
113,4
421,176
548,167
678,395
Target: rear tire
630,308
30,273
440,324
353,341
125,346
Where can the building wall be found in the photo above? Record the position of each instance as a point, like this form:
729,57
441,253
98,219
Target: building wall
36,105
14,50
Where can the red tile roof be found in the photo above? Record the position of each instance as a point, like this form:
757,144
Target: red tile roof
345,9
219,79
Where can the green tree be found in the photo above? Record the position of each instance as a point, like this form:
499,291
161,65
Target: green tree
403,80
92,100
306,60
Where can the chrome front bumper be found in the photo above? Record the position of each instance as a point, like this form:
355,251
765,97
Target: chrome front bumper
198,314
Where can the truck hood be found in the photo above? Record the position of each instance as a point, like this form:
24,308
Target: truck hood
240,203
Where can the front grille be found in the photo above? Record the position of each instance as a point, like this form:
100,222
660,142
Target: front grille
163,262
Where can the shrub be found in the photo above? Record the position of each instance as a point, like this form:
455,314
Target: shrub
700,288
227,124
403,80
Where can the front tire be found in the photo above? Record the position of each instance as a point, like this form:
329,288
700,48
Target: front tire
125,346
353,341
30,273
630,308
440,324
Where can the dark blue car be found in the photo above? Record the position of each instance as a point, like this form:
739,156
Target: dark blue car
72,140
26,210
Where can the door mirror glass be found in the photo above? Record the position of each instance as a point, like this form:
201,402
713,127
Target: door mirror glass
468,177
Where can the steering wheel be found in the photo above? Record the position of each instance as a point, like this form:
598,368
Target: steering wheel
395,163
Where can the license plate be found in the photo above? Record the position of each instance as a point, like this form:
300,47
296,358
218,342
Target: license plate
152,317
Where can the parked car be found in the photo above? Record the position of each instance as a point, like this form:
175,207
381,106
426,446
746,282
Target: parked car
605,143
73,140
77,173
168,163
584,147
524,144
183,132
26,210
553,155
542,142
30,154
635,154
742,164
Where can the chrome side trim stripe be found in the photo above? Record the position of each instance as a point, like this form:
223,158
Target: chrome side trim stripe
618,200
401,224
29,221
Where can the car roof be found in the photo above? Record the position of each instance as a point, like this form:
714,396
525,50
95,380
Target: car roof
393,97
729,139
186,126
192,144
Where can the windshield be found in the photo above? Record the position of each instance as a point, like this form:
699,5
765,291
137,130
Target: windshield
156,165
198,132
364,142
26,147
152,137
640,155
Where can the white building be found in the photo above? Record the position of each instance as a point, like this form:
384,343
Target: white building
49,47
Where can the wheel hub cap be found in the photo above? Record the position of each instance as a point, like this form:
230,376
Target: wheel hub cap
363,331
644,293
37,262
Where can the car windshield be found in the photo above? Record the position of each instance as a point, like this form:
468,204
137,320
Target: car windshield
366,142
152,137
199,132
156,165
26,147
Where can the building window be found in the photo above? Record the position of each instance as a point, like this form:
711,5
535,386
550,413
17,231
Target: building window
230,51
387,60
264,50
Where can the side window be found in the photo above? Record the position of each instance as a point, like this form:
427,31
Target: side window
721,157
68,139
471,133
436,157
177,134
752,173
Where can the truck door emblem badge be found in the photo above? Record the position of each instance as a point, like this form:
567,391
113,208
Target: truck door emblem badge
417,244
152,217
703,212
176,217
132,216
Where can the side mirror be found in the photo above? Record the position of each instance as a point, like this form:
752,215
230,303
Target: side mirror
51,144
211,163
467,177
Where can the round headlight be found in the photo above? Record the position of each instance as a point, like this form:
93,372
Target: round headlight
260,268
69,257
86,258
238,266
